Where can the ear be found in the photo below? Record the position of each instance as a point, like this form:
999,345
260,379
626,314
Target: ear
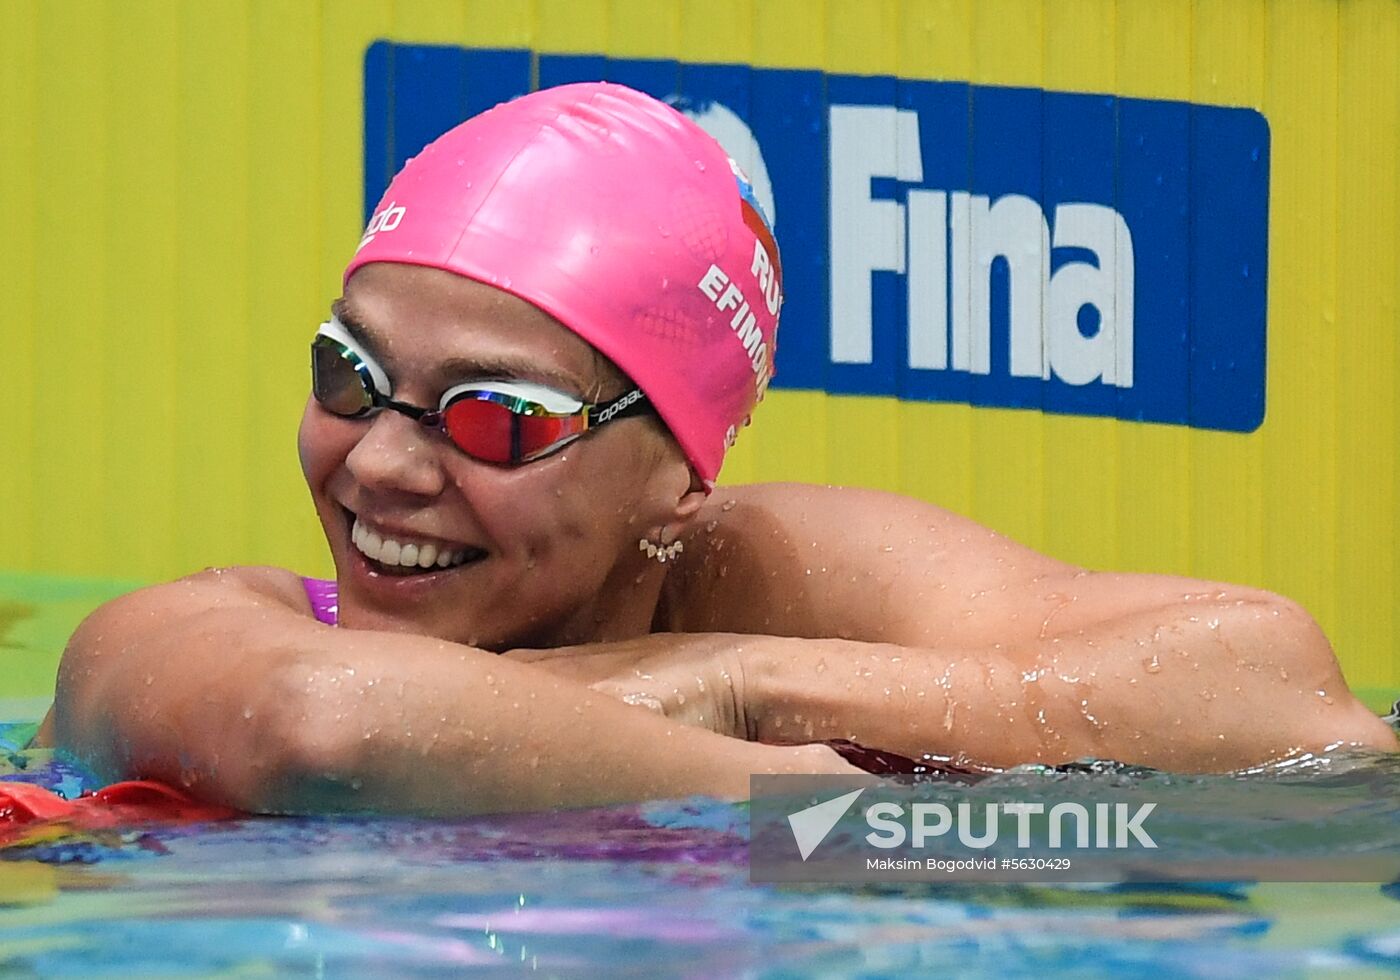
677,492
692,500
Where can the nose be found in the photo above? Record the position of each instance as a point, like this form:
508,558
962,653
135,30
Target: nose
396,454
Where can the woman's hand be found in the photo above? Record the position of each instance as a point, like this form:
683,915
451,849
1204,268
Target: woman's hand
692,678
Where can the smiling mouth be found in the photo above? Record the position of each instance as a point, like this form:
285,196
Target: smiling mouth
408,556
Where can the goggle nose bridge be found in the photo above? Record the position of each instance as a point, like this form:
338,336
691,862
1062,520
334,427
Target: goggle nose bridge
428,418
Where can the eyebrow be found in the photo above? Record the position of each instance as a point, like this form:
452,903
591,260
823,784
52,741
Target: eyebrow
468,368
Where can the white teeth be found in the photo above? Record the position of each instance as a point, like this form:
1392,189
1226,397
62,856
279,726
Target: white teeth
408,555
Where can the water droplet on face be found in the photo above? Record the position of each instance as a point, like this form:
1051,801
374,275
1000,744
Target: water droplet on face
1152,665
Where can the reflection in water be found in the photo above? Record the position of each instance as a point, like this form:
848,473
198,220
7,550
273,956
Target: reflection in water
646,889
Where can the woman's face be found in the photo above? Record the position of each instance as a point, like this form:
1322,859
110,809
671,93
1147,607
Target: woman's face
550,547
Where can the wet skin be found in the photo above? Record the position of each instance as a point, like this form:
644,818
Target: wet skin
796,613
556,539
982,638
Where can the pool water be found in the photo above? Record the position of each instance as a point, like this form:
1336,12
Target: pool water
659,889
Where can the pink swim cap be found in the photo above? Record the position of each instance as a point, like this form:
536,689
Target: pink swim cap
622,219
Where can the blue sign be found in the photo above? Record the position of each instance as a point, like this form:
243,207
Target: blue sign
1081,254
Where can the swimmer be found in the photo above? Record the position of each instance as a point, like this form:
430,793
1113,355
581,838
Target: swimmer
559,317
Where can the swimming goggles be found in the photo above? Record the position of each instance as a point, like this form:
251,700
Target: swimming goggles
494,421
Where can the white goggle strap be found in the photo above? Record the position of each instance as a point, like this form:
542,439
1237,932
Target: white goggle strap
551,400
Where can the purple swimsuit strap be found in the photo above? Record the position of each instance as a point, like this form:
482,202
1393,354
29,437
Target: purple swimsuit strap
324,599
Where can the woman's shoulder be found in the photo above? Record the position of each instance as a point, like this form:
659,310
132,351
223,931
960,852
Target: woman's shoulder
831,510
281,585
255,585
803,560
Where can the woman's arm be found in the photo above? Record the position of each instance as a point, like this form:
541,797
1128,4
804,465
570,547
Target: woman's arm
917,630
223,684
1202,687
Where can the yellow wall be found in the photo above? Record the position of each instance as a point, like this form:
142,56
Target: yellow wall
180,183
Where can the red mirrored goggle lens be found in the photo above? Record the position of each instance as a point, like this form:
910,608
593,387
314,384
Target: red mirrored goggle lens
495,431
487,425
